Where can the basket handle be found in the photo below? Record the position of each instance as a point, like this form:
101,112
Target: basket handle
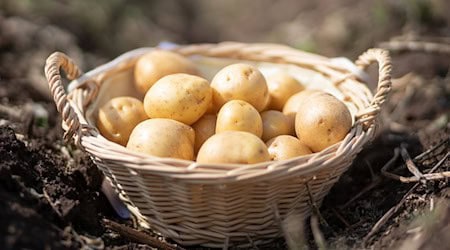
383,59
54,63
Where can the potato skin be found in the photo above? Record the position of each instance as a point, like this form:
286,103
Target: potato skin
118,117
275,123
233,147
181,97
292,104
204,128
322,121
239,115
284,147
163,138
158,63
240,82
282,86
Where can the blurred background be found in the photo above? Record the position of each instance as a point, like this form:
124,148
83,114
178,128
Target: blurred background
108,28
94,32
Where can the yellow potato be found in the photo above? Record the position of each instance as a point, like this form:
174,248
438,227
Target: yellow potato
239,116
181,97
292,104
233,147
322,121
286,146
275,123
158,63
240,82
204,128
118,117
163,138
281,87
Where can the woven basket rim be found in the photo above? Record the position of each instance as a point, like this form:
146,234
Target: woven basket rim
89,139
142,163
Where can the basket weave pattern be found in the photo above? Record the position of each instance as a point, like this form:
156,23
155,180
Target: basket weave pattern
211,204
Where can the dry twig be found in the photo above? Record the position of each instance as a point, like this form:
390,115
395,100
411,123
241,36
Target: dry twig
137,236
317,234
372,173
409,163
252,243
419,46
340,217
426,154
425,177
439,163
51,203
415,37
363,191
388,215
374,183
314,206
394,209
87,243
226,243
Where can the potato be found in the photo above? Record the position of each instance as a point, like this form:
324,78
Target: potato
181,97
233,147
158,63
322,121
275,123
281,87
286,146
240,82
239,116
163,138
204,128
292,104
118,117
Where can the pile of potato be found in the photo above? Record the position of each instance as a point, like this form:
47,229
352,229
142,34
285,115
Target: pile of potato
238,117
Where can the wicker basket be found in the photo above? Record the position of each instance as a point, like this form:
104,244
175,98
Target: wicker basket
211,204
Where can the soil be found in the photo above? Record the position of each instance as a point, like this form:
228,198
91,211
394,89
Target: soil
50,192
